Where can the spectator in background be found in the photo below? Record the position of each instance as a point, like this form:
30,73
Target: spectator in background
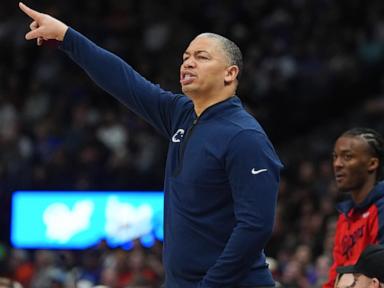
368,272
358,168
8,283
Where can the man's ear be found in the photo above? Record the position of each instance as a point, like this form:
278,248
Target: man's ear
231,74
376,283
373,164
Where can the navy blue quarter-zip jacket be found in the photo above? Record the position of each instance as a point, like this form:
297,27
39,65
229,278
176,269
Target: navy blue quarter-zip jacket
221,178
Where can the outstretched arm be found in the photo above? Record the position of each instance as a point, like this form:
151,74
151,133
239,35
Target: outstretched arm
43,26
109,71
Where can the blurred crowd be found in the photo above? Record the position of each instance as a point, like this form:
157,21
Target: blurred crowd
97,266
312,70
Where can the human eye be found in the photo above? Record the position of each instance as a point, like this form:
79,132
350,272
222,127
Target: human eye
202,56
185,57
347,156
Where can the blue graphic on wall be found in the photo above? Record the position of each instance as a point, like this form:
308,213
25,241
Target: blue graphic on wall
77,220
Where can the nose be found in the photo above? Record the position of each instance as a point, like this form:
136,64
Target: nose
337,162
189,63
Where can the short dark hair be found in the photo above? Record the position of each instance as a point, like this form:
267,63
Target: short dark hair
375,142
230,48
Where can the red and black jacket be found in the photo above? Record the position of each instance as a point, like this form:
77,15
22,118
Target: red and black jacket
357,226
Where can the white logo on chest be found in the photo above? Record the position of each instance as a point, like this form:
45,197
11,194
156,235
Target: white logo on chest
178,136
255,172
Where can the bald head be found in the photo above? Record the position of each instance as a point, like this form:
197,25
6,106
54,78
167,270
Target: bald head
230,49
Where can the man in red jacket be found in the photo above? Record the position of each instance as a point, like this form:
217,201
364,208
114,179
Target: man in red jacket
357,162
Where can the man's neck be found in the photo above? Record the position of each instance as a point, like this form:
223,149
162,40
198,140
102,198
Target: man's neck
201,103
361,194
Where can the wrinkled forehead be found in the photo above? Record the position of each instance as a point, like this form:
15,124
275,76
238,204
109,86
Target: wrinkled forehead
206,43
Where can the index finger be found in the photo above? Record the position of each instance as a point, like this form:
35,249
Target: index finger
30,12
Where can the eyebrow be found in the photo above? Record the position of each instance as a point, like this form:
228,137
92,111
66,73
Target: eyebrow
344,150
187,53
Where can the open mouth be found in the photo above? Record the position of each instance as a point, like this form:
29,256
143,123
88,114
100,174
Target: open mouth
187,77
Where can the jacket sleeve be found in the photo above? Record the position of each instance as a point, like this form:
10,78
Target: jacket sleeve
119,79
337,258
380,221
253,170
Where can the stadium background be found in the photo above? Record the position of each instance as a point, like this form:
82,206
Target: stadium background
312,70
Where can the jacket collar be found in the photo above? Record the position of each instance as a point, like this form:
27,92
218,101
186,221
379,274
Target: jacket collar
376,193
217,109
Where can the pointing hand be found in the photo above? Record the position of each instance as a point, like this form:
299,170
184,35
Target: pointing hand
43,26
